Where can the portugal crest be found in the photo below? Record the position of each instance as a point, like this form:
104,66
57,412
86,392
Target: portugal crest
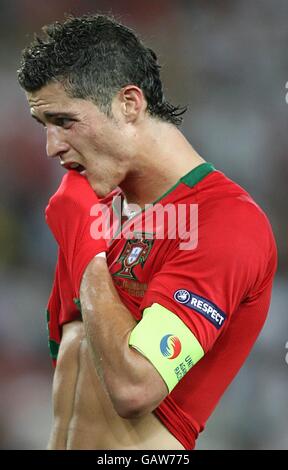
134,252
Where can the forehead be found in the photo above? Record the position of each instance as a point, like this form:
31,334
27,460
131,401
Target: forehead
54,99
49,94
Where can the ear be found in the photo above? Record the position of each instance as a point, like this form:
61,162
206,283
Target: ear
132,102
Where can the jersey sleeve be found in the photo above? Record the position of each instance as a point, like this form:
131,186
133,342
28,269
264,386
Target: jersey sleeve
62,306
233,262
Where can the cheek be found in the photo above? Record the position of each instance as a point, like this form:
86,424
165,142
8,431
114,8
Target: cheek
103,151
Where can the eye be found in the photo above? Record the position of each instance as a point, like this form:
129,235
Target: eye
64,122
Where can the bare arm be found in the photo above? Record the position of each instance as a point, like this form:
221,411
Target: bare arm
133,384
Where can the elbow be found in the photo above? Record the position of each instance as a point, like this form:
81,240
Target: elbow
136,398
131,409
131,403
126,411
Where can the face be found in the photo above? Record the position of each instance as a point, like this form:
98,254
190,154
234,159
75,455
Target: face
84,138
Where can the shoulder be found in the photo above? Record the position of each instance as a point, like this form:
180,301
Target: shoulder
230,210
234,229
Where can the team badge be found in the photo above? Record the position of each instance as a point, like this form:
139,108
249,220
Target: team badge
134,252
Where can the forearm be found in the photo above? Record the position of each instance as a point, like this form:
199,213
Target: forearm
108,324
127,375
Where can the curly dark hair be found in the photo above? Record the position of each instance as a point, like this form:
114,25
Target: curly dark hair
94,56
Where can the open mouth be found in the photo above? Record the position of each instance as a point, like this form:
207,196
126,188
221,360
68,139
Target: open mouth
73,166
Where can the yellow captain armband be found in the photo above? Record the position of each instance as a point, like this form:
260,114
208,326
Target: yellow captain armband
163,338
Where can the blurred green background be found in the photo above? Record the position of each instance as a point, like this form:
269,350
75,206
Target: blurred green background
227,60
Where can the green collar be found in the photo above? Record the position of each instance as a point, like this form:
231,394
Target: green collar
191,179
197,174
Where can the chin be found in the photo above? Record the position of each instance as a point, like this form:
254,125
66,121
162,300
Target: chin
102,190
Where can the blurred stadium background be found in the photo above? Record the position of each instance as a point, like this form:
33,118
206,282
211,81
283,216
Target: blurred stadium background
228,61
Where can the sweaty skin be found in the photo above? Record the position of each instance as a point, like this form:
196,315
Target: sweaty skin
84,417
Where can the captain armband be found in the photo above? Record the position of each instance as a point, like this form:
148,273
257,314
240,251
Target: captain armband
163,338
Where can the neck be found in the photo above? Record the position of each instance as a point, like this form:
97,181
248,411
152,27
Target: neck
164,157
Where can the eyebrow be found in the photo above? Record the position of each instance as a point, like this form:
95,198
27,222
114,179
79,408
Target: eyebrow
58,114
50,116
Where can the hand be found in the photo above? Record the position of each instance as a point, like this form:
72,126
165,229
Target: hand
68,216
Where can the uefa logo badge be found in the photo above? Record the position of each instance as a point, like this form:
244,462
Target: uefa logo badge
182,296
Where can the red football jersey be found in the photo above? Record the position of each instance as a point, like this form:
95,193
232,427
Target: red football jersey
218,282
220,288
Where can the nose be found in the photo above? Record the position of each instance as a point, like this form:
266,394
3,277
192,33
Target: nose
55,144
